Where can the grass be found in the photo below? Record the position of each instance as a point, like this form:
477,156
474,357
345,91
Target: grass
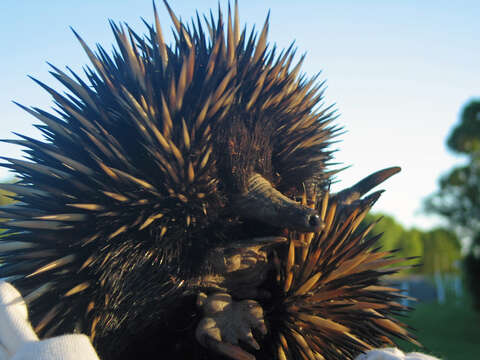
450,331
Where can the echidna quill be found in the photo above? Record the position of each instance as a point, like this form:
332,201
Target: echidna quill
328,302
166,180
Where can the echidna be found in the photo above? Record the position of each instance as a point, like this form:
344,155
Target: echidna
158,165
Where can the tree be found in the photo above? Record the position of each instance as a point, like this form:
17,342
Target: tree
413,244
438,250
392,232
442,250
458,199
396,237
465,137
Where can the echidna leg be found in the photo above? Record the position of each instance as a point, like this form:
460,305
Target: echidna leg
227,322
241,268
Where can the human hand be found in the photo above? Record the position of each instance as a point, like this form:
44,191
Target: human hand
15,329
18,340
393,354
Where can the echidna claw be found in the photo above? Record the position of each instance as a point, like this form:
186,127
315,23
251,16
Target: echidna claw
227,322
351,194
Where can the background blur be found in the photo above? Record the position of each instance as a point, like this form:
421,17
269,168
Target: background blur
400,74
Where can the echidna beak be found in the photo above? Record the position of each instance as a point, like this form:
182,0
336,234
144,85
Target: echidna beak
266,204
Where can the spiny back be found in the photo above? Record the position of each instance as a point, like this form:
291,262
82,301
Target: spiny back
133,183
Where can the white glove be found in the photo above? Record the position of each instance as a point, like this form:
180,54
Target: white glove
18,341
393,354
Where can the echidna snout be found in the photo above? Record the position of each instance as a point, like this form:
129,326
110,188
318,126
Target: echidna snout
266,204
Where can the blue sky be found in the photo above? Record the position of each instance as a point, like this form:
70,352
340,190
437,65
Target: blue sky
398,72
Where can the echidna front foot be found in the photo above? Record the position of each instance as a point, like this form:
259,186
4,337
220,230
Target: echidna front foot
240,268
227,322
238,271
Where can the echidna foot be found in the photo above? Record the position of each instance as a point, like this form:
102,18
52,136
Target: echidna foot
227,323
241,268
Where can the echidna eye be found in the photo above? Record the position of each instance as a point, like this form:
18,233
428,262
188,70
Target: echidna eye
314,220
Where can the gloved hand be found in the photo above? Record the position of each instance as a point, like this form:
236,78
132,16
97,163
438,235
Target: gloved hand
18,341
393,354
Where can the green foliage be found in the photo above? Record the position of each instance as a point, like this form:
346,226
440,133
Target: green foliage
5,199
465,137
392,231
442,250
412,243
438,249
458,199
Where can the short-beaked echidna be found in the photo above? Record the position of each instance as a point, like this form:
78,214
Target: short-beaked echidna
161,159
